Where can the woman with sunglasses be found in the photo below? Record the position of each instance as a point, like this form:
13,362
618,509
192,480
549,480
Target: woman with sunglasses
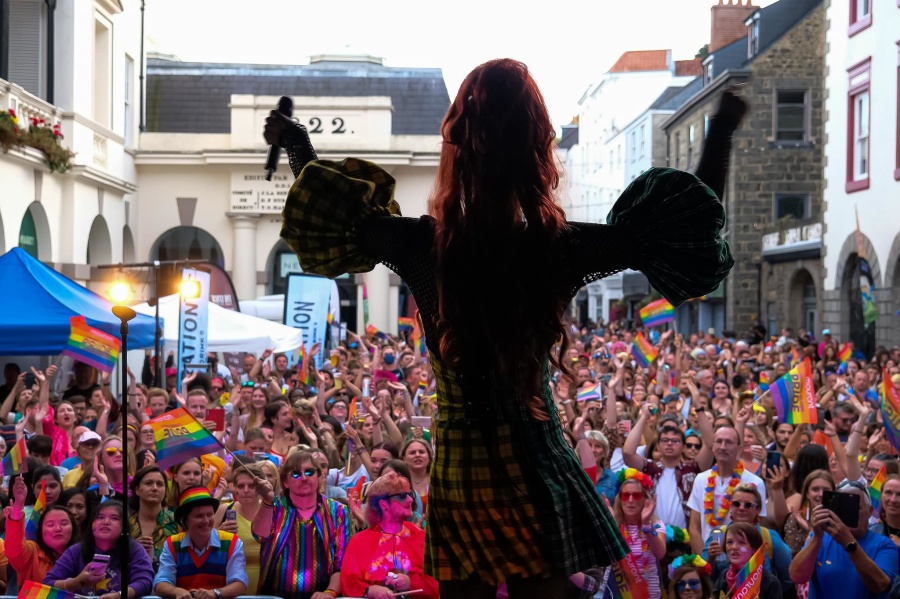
299,523
387,558
689,578
742,540
109,473
645,534
692,445
746,505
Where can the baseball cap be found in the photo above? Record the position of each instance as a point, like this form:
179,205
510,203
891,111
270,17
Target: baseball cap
826,331
89,437
697,351
669,398
171,372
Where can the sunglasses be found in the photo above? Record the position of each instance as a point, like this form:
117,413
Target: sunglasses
307,472
670,441
693,445
747,505
217,388
632,496
692,584
113,451
248,385
401,497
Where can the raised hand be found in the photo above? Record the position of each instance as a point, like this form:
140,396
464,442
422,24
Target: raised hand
264,489
732,106
647,512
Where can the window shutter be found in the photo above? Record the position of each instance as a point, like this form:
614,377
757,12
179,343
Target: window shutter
26,43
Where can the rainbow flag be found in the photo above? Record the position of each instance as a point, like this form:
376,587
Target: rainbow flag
846,352
890,409
405,324
795,357
179,437
643,352
589,392
794,396
764,380
15,462
303,369
33,590
626,580
91,346
875,489
40,505
418,337
372,331
749,578
657,313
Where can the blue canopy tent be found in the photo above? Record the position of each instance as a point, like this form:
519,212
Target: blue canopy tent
38,301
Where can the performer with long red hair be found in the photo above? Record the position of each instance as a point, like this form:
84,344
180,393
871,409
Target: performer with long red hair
493,268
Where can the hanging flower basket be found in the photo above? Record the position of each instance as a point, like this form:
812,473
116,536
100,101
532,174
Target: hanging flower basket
10,134
48,139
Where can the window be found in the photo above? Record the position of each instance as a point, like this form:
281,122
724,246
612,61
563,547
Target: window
790,115
643,136
633,146
897,165
858,134
619,154
708,73
690,152
129,101
860,15
27,45
678,150
753,38
705,125
102,100
794,206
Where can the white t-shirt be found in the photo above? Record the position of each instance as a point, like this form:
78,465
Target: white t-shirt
668,504
337,477
695,502
616,461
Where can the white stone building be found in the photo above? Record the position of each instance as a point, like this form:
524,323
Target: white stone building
862,169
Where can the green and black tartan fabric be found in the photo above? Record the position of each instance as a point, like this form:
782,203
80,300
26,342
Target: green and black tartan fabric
507,496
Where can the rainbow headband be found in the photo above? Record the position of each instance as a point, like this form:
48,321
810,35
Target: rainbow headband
634,474
677,535
690,560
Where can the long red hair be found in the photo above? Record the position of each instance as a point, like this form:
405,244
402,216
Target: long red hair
495,188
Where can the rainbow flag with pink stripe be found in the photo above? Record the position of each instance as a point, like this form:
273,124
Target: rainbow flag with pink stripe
14,462
34,590
644,353
749,578
589,392
657,313
794,396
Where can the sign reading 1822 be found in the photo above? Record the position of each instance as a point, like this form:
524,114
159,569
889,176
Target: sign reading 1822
250,192
319,124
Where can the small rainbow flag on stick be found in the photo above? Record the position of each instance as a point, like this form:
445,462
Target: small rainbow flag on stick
14,461
179,437
40,504
794,396
33,590
764,380
890,409
657,313
846,352
405,324
589,392
875,488
749,578
91,346
644,353
372,331
303,365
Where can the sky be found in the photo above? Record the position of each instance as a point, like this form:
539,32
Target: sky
567,44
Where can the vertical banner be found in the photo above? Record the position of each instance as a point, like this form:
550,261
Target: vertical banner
193,320
222,293
306,305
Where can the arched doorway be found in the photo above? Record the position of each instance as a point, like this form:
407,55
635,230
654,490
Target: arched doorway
279,265
34,233
855,277
99,246
183,243
128,252
802,306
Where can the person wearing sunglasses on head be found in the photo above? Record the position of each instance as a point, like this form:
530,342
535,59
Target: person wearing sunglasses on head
107,480
387,559
303,534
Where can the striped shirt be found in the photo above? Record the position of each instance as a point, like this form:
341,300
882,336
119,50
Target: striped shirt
299,556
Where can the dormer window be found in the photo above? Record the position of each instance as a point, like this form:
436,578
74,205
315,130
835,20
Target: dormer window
708,72
753,36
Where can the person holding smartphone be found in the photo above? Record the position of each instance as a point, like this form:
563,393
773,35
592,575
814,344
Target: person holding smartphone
844,561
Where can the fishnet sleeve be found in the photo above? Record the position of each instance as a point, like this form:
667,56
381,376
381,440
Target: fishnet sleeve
390,240
592,251
295,142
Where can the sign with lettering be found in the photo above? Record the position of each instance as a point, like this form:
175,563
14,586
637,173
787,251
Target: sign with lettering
193,321
306,306
250,192
328,124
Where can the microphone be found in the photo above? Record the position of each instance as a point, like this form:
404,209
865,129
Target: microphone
285,107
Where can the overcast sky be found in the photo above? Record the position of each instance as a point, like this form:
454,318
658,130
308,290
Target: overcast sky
567,44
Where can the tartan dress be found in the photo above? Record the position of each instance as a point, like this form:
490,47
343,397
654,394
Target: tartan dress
508,497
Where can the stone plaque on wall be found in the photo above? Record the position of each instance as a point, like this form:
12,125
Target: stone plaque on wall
250,192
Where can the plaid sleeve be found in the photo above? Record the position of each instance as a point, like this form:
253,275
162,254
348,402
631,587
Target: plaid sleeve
325,210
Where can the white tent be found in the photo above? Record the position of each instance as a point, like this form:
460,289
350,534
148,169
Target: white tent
229,331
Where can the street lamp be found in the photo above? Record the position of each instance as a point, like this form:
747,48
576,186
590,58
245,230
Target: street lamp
119,292
124,313
190,289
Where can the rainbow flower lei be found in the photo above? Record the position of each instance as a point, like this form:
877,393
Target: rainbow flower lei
634,474
709,497
675,534
690,559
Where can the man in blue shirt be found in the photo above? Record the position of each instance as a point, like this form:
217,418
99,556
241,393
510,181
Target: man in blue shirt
850,563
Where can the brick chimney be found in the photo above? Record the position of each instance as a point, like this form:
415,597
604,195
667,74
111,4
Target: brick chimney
728,22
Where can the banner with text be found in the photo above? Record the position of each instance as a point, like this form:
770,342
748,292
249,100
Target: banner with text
306,306
193,320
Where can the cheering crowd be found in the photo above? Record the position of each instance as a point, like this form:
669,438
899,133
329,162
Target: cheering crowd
320,487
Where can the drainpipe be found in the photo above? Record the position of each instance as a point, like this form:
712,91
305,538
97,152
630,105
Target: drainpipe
4,39
142,126
51,43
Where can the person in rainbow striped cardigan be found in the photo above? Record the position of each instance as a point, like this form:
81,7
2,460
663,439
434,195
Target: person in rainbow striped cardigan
202,562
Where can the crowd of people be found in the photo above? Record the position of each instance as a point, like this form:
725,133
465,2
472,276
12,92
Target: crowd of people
323,491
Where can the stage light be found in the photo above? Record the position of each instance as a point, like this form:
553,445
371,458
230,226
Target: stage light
119,293
190,289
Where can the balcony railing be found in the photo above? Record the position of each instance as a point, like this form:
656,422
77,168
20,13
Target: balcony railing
27,105
796,238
